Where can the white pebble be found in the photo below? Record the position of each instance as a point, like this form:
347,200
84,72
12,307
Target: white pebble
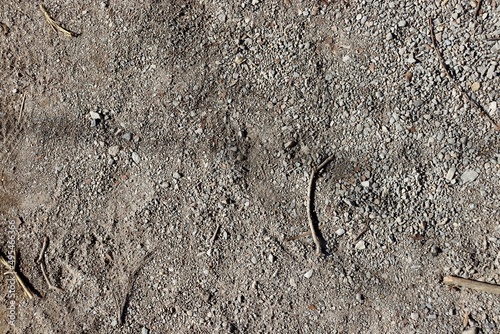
451,173
360,245
340,232
136,157
469,175
308,274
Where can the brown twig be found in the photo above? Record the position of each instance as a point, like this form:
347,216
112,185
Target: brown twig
363,231
471,284
214,236
41,262
492,38
310,205
133,277
457,85
478,8
303,235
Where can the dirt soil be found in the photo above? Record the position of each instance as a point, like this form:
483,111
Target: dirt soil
165,152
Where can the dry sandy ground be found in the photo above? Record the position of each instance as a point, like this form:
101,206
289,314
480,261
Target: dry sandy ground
165,153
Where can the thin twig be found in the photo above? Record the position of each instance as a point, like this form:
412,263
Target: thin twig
303,235
492,38
457,85
54,24
478,8
42,251
21,110
133,277
214,236
310,205
50,285
471,284
41,262
363,231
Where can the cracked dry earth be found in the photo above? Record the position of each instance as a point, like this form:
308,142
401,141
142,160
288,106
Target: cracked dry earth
166,151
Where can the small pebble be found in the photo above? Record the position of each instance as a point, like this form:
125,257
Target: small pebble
95,115
114,322
136,157
308,274
389,36
359,297
270,258
470,331
144,330
469,175
360,245
176,176
290,144
402,23
493,107
114,150
435,250
414,316
451,173
340,232
127,136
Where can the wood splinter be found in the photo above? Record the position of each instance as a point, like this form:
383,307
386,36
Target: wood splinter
471,284
310,205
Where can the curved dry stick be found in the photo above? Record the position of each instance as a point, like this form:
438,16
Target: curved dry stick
310,205
462,92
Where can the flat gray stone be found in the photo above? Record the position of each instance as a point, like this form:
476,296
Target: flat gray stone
469,175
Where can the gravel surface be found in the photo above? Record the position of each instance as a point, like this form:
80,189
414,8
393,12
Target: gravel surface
166,153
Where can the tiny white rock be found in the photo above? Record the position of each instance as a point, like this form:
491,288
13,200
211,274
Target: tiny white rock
365,184
114,150
493,107
360,245
451,173
308,274
136,157
340,232
469,175
95,115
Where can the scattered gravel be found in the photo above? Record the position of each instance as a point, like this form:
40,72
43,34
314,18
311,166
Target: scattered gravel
206,119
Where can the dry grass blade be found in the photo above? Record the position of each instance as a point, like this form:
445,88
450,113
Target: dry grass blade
21,110
10,270
54,24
